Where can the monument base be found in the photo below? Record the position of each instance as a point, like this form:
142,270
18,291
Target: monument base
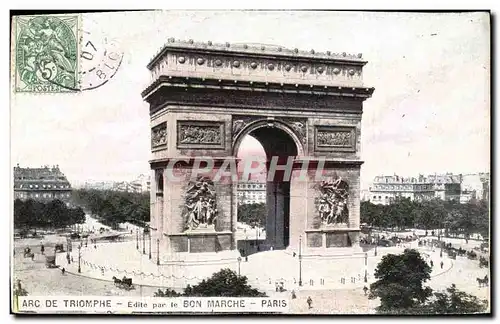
201,240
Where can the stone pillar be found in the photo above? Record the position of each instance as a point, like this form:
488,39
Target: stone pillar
271,214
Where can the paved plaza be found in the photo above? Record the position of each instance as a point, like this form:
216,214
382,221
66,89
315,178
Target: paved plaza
334,283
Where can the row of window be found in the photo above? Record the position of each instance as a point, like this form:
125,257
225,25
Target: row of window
42,195
251,186
45,186
403,187
252,193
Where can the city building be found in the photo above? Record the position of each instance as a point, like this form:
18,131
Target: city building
43,184
251,192
446,186
386,189
478,183
141,184
458,187
99,185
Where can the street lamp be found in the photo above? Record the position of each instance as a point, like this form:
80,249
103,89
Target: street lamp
143,241
376,244
157,251
239,264
79,258
137,239
150,243
300,260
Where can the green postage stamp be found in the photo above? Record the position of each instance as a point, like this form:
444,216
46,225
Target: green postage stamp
46,53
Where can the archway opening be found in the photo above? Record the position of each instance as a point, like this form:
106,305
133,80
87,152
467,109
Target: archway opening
268,143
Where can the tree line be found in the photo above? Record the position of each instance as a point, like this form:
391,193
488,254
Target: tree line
114,207
252,214
455,218
32,214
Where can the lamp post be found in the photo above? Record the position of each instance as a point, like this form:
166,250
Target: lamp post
137,239
143,241
67,254
239,264
150,243
376,244
300,260
157,251
79,258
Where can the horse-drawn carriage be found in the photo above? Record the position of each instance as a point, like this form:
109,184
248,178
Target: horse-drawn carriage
483,262
28,253
124,283
452,254
483,282
50,261
471,255
59,247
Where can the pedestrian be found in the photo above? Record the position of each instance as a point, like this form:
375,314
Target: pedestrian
276,284
63,271
72,259
32,256
442,264
365,289
432,264
309,302
293,294
95,246
42,249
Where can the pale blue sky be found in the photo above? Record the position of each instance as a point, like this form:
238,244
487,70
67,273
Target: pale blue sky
429,112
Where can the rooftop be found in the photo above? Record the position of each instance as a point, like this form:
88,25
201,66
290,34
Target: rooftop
250,49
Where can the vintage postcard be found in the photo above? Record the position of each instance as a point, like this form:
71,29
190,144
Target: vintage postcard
250,162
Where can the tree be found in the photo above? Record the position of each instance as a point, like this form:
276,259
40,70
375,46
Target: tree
454,301
400,281
225,283
252,214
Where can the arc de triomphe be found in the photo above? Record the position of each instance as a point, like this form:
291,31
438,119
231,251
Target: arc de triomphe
205,98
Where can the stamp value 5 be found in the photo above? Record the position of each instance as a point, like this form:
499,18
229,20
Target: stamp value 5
46,49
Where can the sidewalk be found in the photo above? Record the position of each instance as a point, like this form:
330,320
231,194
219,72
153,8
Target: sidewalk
110,260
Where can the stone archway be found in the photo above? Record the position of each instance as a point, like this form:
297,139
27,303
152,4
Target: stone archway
279,141
204,98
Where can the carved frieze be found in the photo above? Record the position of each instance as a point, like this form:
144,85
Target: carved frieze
198,134
159,135
335,138
332,202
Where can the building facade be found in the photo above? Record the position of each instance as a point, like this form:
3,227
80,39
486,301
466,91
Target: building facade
458,187
251,192
386,189
42,184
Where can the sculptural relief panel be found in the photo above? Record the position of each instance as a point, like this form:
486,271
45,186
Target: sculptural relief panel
335,138
200,207
332,202
159,136
197,134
